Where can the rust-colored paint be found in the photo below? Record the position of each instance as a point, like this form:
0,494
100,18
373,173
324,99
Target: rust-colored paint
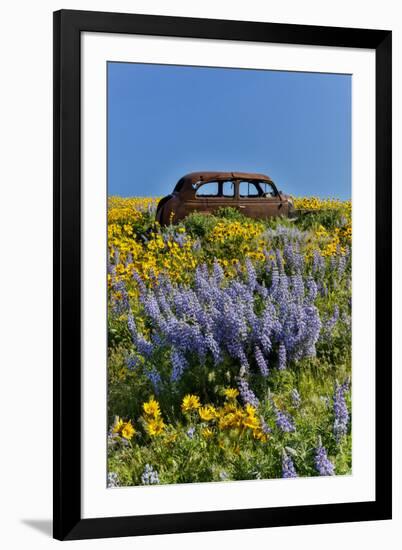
255,195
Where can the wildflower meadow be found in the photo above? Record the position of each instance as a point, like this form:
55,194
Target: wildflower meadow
229,345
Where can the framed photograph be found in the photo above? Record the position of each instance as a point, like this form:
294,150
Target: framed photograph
222,274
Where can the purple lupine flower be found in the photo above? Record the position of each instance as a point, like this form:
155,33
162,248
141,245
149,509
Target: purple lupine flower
261,362
288,468
264,426
149,476
342,262
180,239
329,324
213,347
144,347
297,287
288,255
284,421
132,326
129,259
155,378
140,283
298,259
346,385
190,432
116,255
312,324
322,463
283,235
112,480
132,362
281,357
152,309
280,290
218,272
262,291
179,364
274,281
223,317
279,260
311,291
295,396
266,328
120,305
341,414
251,274
247,395
318,263
293,258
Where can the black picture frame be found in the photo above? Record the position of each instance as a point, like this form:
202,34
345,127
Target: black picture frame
68,26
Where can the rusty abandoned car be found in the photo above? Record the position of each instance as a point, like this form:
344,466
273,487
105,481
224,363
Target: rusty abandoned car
255,195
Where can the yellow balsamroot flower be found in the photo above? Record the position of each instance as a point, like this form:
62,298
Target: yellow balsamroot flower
127,430
230,393
149,258
124,429
260,435
134,206
321,232
227,231
118,424
315,203
251,422
250,410
155,426
207,413
207,433
226,421
190,403
228,407
231,420
152,408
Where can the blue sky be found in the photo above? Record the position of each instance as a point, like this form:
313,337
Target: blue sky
165,121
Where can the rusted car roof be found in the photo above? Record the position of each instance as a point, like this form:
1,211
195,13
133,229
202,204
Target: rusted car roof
195,177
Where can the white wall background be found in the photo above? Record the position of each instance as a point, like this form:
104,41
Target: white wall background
26,269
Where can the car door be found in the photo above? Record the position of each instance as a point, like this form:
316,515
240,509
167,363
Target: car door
259,200
197,199
224,198
211,196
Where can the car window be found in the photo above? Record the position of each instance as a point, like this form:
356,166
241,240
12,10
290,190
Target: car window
248,189
228,188
267,189
210,189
